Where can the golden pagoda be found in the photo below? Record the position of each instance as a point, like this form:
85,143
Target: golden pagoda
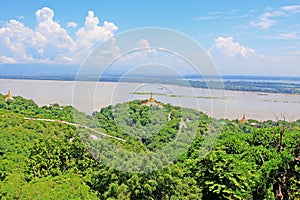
243,120
152,102
9,96
151,98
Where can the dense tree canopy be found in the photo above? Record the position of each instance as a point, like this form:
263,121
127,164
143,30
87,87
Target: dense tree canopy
163,153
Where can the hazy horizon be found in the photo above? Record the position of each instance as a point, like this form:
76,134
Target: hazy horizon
35,69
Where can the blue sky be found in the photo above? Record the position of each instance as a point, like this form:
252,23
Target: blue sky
259,37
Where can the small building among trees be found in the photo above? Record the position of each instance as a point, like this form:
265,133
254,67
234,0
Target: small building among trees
9,97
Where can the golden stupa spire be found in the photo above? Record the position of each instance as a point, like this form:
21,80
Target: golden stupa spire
9,94
244,120
151,98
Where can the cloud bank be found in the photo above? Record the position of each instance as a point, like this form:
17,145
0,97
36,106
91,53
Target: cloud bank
49,42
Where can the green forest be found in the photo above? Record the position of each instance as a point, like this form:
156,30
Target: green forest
130,151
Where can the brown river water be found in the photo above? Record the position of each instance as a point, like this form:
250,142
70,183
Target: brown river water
92,96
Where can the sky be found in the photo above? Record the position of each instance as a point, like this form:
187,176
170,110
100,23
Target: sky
259,37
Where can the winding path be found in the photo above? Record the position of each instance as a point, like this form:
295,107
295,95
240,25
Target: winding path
77,125
182,124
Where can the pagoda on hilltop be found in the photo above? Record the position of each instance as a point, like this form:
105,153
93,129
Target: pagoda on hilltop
243,120
152,102
9,97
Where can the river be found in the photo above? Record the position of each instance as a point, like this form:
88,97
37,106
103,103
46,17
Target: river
91,96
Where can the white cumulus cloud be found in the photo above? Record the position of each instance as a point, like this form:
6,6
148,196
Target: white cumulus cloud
44,14
143,43
92,33
58,41
49,42
72,24
143,46
19,42
227,47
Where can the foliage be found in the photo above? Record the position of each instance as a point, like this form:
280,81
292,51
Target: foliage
205,159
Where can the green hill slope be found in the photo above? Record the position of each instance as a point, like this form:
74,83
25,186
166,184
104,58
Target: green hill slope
131,151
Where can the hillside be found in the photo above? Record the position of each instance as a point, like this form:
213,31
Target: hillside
136,151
